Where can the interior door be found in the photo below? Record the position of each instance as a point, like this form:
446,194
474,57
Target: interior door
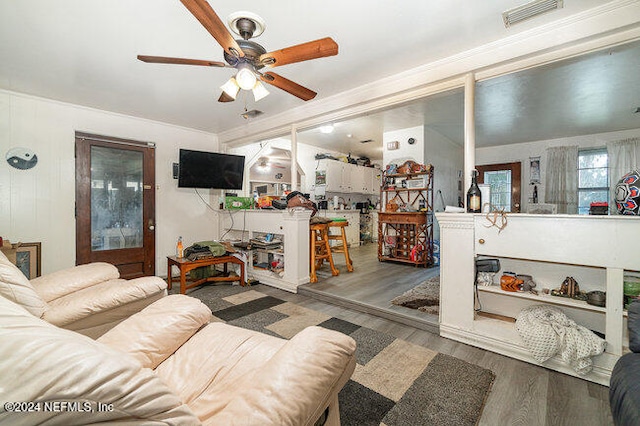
115,204
505,180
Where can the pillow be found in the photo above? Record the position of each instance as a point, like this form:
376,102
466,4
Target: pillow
17,288
633,323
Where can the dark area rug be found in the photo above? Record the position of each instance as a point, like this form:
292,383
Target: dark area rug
395,383
424,297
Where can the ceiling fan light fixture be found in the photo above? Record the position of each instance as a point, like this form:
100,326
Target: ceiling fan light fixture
231,87
246,78
259,91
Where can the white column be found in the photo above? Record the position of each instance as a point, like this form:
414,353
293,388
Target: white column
469,131
294,159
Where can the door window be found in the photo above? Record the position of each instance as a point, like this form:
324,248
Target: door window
116,198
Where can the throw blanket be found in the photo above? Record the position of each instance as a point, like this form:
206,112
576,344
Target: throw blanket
547,331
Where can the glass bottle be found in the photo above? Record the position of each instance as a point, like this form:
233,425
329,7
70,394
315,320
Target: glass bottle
474,196
179,248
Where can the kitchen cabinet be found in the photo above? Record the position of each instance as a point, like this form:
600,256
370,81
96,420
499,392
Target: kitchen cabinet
349,178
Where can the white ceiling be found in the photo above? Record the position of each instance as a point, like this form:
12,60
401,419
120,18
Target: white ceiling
84,51
594,93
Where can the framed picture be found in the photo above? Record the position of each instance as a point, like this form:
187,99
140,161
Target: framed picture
534,170
28,259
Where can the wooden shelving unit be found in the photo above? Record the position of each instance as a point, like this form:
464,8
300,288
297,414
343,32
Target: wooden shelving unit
405,233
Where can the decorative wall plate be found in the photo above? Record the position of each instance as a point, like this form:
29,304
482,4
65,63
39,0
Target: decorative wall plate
21,158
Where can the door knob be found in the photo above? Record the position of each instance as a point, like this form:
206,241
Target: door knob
151,226
481,240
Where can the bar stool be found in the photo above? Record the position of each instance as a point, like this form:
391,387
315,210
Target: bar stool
342,246
320,250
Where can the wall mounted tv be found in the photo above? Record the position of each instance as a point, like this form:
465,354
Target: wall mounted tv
200,169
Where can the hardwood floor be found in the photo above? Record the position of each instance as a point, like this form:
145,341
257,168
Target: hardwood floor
522,394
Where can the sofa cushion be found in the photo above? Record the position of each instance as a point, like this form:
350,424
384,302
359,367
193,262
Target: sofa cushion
66,281
254,378
139,335
17,288
42,362
100,298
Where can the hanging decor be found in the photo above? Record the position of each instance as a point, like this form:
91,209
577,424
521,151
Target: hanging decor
627,194
534,170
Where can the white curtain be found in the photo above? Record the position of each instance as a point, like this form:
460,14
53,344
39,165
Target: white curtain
624,156
561,178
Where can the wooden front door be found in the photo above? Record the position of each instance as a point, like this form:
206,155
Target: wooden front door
115,204
505,184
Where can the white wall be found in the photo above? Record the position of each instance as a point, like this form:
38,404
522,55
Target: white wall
405,151
447,158
38,204
523,151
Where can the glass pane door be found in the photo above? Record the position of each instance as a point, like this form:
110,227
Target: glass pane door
116,198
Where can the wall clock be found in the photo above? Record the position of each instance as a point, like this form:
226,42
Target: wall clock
21,158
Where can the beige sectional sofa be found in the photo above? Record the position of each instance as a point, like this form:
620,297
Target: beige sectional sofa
168,365
89,299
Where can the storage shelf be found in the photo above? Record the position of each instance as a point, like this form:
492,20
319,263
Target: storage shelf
546,298
543,298
403,189
401,175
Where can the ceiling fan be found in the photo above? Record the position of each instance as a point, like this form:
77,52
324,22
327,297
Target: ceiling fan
248,57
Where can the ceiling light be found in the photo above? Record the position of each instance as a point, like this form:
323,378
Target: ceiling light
259,91
251,114
246,78
326,129
263,165
231,87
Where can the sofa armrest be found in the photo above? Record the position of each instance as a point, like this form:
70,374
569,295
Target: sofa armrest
296,384
154,333
66,281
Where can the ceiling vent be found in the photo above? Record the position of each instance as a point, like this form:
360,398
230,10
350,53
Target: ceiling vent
251,114
530,10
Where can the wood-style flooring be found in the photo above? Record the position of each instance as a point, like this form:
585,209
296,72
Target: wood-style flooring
522,394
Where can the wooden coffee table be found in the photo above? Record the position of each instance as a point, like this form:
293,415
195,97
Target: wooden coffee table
185,265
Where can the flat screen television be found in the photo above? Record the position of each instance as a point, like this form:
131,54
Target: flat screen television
200,169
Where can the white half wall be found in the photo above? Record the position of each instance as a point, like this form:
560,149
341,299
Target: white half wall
523,151
39,204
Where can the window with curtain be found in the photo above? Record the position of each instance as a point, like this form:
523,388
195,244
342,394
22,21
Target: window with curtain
593,178
624,156
561,178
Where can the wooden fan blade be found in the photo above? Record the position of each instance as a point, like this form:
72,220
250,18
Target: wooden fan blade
225,98
212,23
301,52
180,61
288,86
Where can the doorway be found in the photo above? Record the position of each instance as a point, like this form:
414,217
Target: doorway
115,203
505,184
